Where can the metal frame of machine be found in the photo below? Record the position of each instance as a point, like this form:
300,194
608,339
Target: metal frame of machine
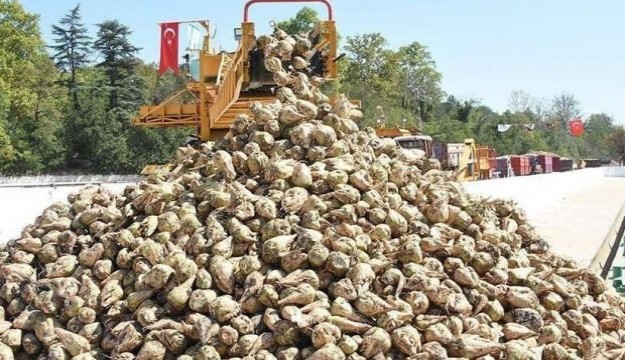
226,85
468,167
486,159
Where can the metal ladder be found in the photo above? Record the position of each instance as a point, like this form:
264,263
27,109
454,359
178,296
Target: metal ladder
224,67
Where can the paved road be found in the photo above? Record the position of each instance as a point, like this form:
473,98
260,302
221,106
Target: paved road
578,212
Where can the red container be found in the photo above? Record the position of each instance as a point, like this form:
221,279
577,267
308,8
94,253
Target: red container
546,163
549,164
556,163
492,162
566,164
515,162
542,161
502,166
527,167
520,165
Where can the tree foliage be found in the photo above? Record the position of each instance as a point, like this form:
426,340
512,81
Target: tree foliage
303,21
405,82
118,57
29,104
616,143
564,107
71,50
43,128
420,79
520,101
599,127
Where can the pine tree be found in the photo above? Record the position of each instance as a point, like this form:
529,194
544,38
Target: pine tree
72,49
119,61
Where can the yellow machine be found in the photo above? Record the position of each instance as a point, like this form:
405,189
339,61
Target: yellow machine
469,165
486,161
228,83
470,161
391,132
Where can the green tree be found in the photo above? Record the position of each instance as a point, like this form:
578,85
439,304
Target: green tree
598,128
564,107
118,55
552,125
519,139
8,153
104,140
447,129
100,140
520,101
372,74
539,109
20,40
405,82
456,109
72,47
46,138
421,80
616,144
29,105
150,146
303,21
84,129
100,134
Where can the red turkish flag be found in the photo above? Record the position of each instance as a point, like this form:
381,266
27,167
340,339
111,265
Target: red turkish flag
576,127
169,48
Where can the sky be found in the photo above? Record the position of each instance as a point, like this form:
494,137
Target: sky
485,49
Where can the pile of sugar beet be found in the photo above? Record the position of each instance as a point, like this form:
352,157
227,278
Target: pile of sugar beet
298,236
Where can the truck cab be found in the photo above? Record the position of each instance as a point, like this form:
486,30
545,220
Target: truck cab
420,142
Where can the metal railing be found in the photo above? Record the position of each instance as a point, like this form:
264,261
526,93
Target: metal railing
169,112
229,89
614,171
64,180
224,67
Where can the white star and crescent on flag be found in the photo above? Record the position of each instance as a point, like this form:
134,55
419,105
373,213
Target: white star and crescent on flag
169,40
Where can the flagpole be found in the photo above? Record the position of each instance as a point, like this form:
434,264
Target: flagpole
204,23
181,22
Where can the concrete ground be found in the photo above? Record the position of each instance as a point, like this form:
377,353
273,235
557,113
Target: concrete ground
579,212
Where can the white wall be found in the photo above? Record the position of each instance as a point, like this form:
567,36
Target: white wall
19,206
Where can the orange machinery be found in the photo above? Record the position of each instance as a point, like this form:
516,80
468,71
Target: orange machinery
471,162
393,132
487,161
229,83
